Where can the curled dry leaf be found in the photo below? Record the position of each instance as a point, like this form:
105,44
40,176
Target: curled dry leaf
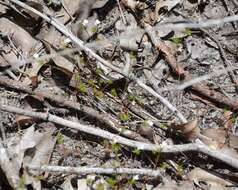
61,62
30,102
44,144
190,130
19,37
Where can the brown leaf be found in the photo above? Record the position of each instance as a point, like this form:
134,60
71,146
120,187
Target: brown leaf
20,38
61,62
190,130
219,134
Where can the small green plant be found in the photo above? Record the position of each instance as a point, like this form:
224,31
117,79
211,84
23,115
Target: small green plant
233,118
176,40
59,138
164,166
105,143
133,98
115,148
130,182
225,109
162,126
113,92
157,152
82,87
145,123
94,29
180,169
179,40
136,151
188,32
22,182
98,93
98,71
111,181
39,177
100,186
91,83
124,117
132,55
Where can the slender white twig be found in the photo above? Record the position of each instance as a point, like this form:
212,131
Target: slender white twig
195,147
199,24
198,79
95,170
87,50
121,12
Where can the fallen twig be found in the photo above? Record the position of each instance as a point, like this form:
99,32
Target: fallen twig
194,147
197,80
96,170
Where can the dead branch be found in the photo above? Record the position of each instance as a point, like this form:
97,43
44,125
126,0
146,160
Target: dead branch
96,170
163,149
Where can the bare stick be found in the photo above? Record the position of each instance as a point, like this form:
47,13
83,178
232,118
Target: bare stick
95,170
200,24
194,147
197,80
87,50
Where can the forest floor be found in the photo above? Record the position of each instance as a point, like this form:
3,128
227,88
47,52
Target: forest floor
109,94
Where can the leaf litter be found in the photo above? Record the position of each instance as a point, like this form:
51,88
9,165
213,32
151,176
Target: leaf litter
171,58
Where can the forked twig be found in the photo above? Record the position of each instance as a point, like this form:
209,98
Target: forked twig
163,149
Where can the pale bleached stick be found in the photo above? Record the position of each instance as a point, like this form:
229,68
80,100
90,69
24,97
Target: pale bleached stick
95,170
87,50
162,149
199,79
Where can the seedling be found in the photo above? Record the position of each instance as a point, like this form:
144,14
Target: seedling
124,117
59,138
113,92
111,181
137,152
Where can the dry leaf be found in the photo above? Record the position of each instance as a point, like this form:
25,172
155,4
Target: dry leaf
214,182
44,144
190,130
30,102
219,134
19,37
62,63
